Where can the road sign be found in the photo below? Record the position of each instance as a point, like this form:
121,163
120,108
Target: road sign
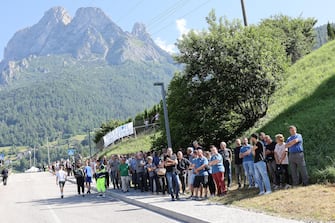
70,152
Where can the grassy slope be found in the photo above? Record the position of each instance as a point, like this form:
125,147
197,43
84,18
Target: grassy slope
132,145
306,100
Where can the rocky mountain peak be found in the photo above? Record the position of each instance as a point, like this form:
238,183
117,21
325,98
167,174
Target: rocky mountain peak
91,15
57,14
90,34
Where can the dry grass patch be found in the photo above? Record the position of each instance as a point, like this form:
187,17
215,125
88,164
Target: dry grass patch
312,203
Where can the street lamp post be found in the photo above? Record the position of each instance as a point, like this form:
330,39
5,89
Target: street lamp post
166,116
244,13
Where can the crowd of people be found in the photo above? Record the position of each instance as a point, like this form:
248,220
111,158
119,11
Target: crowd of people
258,162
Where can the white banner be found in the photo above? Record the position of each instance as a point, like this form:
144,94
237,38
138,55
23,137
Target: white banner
118,133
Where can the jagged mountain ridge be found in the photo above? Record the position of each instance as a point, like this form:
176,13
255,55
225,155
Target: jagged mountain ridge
89,34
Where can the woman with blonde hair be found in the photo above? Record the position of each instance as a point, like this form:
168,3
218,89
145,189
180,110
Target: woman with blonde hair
281,158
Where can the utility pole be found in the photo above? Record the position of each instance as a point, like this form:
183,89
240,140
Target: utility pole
34,157
48,151
244,13
29,157
166,116
89,141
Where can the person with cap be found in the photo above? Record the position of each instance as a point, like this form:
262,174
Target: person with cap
294,144
261,174
101,179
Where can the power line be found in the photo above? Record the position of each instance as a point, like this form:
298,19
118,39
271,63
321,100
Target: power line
167,13
185,15
130,11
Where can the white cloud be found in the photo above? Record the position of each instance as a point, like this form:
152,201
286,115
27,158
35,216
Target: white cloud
170,48
181,27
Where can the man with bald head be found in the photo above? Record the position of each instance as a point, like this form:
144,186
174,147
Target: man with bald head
294,144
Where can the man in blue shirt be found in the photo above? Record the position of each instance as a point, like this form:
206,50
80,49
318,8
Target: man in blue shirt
201,175
294,144
88,176
248,162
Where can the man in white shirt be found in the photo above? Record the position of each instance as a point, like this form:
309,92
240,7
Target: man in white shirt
60,179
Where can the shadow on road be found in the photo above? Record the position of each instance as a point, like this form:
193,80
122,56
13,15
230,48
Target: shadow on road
89,199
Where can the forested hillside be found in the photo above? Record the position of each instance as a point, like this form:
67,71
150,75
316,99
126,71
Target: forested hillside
59,94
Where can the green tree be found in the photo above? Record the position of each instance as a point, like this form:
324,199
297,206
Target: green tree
296,34
330,31
230,73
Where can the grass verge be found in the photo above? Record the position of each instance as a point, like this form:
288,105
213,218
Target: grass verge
314,203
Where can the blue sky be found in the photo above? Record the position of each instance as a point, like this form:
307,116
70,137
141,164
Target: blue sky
166,20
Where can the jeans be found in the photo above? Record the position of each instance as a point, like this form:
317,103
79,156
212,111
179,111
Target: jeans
141,179
114,179
240,174
182,178
297,163
161,185
227,167
250,172
262,177
172,180
153,180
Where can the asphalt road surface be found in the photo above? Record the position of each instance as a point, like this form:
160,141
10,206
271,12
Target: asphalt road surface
35,198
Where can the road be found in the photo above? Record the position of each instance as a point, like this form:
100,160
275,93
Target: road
35,198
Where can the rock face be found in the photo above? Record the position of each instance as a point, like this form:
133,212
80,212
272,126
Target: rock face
90,34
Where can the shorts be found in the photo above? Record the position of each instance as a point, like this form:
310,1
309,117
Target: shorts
200,180
61,184
88,179
192,179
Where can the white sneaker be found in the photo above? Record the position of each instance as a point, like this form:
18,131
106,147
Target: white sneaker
268,192
261,193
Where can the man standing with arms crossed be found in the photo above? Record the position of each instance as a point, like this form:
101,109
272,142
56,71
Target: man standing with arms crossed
239,171
294,144
170,162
